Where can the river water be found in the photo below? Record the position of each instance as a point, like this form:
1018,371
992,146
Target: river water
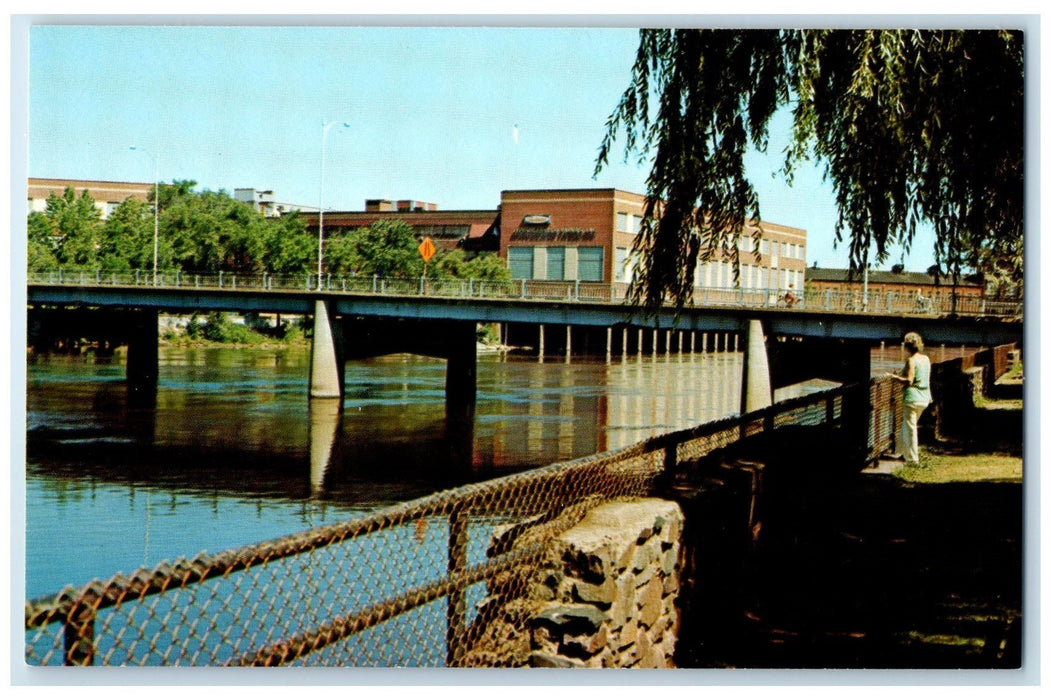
234,453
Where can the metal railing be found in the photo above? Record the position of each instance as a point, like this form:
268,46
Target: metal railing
410,585
829,301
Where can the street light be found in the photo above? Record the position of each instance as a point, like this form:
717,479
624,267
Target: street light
156,205
325,126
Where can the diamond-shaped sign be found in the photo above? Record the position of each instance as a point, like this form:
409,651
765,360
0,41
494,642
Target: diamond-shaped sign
427,249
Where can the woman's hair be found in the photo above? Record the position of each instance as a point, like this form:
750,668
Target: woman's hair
913,341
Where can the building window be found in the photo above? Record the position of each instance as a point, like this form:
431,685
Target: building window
622,222
764,246
589,264
556,263
520,262
636,223
621,263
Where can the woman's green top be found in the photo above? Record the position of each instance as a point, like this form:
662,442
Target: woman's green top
919,391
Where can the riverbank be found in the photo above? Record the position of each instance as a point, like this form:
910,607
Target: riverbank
893,567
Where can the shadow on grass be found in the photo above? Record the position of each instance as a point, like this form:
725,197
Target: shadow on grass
863,571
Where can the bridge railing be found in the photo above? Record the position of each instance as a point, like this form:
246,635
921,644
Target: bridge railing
827,300
415,584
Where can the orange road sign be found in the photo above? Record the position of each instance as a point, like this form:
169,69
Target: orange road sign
427,249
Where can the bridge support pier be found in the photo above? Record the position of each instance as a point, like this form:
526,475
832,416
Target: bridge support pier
461,368
755,388
142,357
326,356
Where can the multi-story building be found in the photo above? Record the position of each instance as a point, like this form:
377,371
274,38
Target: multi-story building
263,202
582,235
107,194
588,235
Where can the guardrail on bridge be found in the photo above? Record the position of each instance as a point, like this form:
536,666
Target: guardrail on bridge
834,301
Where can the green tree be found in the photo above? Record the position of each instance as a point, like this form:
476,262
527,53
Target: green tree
210,231
909,126
41,244
127,238
455,264
385,248
288,247
75,230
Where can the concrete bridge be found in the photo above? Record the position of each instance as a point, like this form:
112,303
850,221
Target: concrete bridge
371,317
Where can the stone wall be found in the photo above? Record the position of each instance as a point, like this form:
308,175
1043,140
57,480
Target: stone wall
603,596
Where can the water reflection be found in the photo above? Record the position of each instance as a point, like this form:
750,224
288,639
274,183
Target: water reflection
234,452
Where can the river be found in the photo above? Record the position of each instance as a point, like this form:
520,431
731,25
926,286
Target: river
234,453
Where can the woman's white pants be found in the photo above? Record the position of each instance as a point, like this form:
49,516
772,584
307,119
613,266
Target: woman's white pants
910,440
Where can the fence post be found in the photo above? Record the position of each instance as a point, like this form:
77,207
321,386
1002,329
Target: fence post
671,457
79,636
456,605
523,288
220,279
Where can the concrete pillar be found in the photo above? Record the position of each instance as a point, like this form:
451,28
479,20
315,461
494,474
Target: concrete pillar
326,356
755,389
638,344
609,344
541,343
569,342
461,368
142,357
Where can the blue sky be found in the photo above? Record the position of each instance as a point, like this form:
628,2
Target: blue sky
431,110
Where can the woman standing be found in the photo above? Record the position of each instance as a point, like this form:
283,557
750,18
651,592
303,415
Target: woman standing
916,396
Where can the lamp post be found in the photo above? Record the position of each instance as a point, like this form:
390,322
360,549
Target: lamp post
156,206
325,126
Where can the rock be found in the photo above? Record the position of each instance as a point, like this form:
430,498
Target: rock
651,602
539,659
571,619
601,594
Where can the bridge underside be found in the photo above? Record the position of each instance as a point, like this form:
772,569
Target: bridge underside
774,361
337,340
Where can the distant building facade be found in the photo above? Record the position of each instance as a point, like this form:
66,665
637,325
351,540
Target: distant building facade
588,235
107,194
263,202
470,229
884,281
582,235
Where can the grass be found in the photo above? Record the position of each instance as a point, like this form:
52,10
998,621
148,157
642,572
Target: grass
936,468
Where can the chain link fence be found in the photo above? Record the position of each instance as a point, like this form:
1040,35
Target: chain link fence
405,586
411,585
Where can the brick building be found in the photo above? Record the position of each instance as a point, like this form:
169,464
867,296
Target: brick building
881,282
471,229
588,235
575,234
